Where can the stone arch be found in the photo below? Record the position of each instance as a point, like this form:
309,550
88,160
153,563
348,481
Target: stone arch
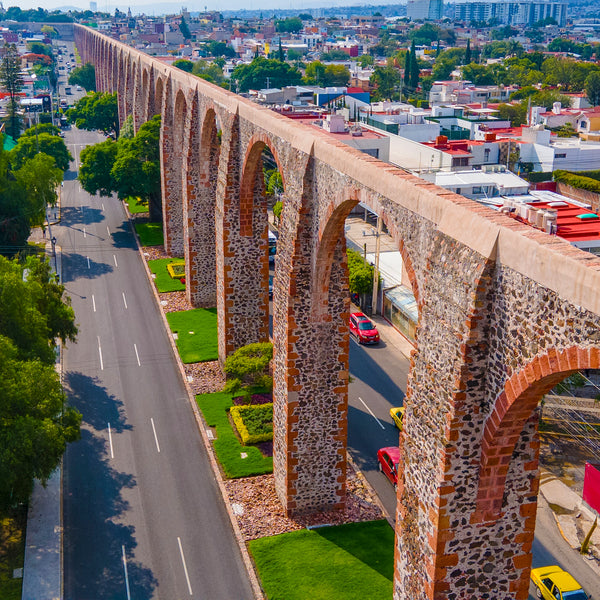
199,207
158,95
250,172
139,96
130,81
121,85
513,408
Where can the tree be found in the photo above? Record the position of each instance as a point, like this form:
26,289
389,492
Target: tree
84,76
407,69
39,48
592,88
184,65
42,128
129,167
365,60
96,110
52,145
334,54
468,52
185,30
209,71
280,54
289,25
247,369
95,168
49,31
216,49
35,423
12,83
414,67
314,74
360,274
387,80
256,74
39,177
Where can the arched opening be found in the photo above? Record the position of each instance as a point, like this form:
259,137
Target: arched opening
200,201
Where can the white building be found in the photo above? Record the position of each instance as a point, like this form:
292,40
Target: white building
424,10
512,12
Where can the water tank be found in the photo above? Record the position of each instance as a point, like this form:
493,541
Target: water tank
550,219
556,106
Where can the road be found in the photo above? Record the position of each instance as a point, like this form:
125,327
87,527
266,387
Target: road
143,515
379,375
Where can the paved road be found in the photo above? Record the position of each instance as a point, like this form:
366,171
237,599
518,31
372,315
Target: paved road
143,515
379,380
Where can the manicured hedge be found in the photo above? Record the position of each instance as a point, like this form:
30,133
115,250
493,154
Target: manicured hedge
577,181
254,422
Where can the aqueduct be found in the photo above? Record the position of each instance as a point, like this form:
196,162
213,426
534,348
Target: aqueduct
505,312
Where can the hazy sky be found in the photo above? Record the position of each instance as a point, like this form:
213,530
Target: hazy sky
193,5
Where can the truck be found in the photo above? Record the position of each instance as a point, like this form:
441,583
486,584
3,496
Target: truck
68,89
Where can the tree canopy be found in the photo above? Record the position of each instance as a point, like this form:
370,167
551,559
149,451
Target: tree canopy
184,65
96,110
12,82
289,25
35,423
129,167
326,75
84,76
52,145
263,72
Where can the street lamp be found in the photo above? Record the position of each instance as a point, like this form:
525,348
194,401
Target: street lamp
53,240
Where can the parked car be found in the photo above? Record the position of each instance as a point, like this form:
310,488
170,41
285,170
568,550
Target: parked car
553,583
388,459
397,415
363,328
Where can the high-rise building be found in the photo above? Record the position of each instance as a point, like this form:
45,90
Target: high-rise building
511,12
93,6
424,10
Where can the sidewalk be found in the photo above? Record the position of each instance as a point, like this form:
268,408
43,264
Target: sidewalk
42,569
573,519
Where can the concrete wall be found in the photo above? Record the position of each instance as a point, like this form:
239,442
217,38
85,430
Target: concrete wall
505,313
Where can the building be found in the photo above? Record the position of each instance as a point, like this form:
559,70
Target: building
513,12
424,10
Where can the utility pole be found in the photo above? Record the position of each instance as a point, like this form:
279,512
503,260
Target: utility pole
376,269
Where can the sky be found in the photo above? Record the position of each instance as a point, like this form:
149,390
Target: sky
192,6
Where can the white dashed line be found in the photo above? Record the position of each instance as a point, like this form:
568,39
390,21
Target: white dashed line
100,353
124,300
187,577
94,302
378,421
115,259
126,575
88,261
137,355
112,454
155,436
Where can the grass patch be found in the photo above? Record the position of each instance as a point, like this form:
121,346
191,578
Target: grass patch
163,280
136,205
353,562
227,446
150,234
12,552
196,331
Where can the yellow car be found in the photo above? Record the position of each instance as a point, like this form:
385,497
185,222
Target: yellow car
552,583
397,414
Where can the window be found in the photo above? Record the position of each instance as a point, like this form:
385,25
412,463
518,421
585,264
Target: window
561,155
486,155
477,190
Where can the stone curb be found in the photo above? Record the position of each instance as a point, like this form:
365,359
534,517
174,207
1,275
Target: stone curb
202,427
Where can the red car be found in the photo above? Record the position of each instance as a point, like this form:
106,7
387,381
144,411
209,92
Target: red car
388,459
363,329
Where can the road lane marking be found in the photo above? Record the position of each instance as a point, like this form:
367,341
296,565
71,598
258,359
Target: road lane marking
108,230
100,353
378,421
155,436
115,259
103,206
112,453
94,302
126,575
84,234
124,300
187,577
137,355
88,260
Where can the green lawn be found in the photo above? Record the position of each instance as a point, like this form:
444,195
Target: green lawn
163,280
227,446
12,552
150,234
196,334
135,206
352,562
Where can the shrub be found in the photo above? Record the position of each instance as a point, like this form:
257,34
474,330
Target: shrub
176,269
248,369
577,181
253,422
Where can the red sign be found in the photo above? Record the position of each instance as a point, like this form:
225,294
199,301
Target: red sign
591,485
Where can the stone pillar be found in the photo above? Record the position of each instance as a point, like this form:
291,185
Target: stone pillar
199,187
121,83
310,368
171,169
